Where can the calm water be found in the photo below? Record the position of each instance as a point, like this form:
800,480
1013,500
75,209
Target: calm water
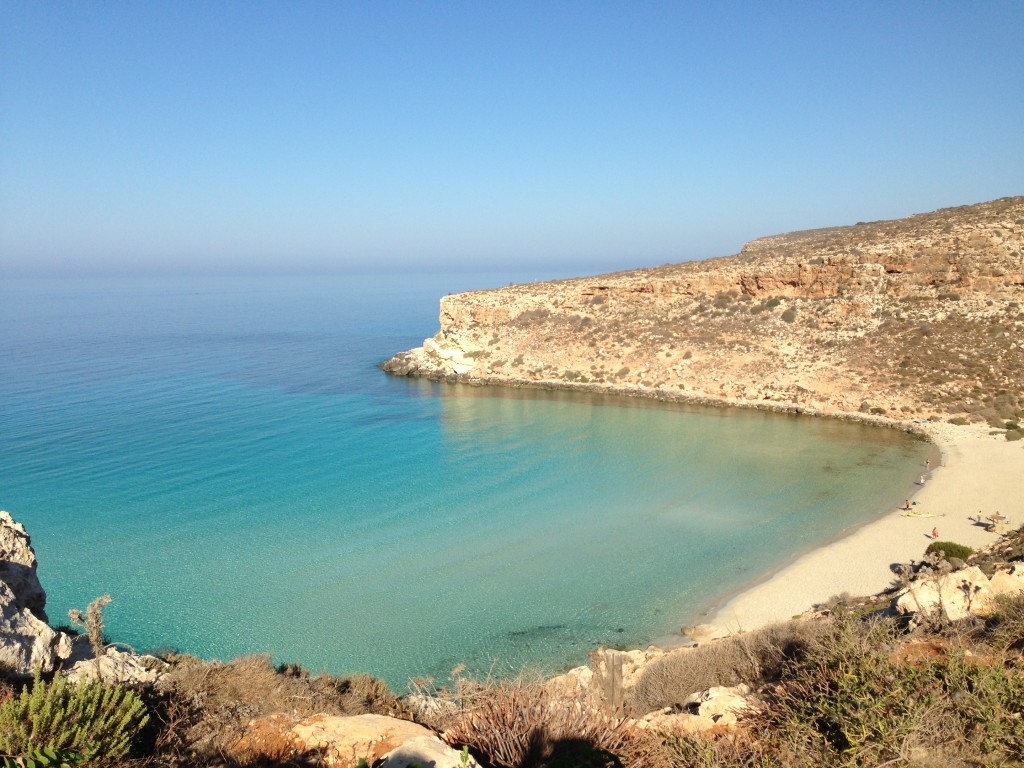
223,457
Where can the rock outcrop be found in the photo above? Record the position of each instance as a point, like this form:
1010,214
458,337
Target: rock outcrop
27,643
909,318
18,566
113,667
344,741
958,594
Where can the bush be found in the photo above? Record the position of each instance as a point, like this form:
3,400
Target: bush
959,421
950,549
746,658
206,705
1004,627
851,703
789,315
92,719
1014,434
519,723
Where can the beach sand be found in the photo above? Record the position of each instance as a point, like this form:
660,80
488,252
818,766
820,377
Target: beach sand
978,473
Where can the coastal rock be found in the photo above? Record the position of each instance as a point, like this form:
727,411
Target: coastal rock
720,703
18,566
426,752
114,666
710,712
959,594
342,741
798,322
27,643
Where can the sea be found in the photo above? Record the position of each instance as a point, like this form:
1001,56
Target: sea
224,458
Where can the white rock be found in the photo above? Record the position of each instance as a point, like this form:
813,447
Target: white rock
114,666
426,751
721,703
18,566
954,595
26,642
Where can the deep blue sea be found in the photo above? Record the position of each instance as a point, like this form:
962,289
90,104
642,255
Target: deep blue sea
224,458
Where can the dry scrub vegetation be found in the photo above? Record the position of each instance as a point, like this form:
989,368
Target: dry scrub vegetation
842,691
203,708
853,689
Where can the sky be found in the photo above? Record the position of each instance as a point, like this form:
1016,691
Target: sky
224,137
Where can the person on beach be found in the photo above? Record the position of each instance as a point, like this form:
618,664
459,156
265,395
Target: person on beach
906,505
927,465
935,533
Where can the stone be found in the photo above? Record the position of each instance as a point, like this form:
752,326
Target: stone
677,723
18,566
343,741
721,704
954,595
114,666
426,752
1010,582
27,643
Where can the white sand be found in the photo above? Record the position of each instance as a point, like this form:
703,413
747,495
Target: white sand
979,473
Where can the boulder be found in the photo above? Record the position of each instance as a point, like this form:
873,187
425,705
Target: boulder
673,723
18,566
709,712
721,704
1009,582
426,752
343,741
958,594
27,643
114,666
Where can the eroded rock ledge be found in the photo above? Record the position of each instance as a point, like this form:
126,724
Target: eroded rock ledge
914,318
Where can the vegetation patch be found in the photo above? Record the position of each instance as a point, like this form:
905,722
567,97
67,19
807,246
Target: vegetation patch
950,549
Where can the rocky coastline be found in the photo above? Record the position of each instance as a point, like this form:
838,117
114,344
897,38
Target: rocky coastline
918,318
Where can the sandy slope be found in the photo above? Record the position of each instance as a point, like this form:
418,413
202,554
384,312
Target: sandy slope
979,473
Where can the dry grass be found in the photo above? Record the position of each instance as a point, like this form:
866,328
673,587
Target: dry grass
750,658
521,724
203,708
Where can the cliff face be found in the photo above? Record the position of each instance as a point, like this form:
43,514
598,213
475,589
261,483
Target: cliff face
909,318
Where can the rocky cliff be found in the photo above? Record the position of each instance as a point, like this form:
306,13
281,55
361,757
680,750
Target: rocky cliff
911,318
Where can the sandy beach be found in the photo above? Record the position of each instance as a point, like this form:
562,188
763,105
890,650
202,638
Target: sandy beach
978,473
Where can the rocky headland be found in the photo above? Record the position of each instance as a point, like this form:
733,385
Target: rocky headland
909,319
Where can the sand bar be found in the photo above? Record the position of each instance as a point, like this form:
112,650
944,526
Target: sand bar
979,473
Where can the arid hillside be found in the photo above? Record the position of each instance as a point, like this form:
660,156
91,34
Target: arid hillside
913,318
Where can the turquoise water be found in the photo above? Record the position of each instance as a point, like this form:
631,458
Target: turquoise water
223,457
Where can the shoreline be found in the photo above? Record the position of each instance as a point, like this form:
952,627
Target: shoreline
973,473
978,473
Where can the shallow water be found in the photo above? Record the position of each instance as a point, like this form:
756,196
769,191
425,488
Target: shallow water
223,457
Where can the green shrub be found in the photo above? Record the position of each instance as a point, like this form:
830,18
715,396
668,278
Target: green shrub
1014,434
789,315
950,549
851,701
959,421
773,302
91,719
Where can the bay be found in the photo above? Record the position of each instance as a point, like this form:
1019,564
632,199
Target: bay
223,457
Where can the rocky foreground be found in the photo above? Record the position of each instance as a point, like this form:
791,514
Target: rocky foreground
913,318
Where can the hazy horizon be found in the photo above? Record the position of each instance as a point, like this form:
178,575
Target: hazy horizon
578,138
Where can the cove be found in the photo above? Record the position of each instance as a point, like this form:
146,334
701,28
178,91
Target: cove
223,457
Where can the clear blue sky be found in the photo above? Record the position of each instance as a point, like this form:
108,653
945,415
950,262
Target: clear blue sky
224,136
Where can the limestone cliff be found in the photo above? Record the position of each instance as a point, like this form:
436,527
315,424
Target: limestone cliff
909,318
